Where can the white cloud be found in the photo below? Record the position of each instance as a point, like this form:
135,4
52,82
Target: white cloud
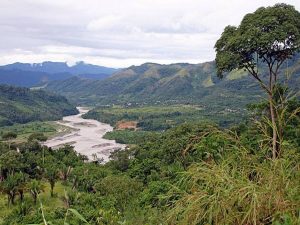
117,32
105,23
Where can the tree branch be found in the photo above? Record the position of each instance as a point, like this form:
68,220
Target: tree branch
262,84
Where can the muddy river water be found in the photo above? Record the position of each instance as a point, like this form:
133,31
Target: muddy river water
86,137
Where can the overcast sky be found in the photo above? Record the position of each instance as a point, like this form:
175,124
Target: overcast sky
117,33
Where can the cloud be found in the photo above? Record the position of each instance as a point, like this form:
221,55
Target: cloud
108,23
117,33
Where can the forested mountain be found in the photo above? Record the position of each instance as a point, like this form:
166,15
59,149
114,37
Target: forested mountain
175,83
21,105
28,75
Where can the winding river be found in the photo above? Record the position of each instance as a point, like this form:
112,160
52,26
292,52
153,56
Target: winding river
86,137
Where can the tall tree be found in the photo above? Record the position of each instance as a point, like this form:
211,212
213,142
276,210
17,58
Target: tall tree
9,136
12,185
10,162
51,174
267,37
35,187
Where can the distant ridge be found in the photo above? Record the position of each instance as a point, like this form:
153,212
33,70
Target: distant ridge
28,75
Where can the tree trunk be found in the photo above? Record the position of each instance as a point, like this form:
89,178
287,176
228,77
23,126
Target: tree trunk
8,199
52,188
13,198
34,198
21,192
275,146
74,183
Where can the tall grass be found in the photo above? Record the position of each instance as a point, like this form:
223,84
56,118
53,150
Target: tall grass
241,189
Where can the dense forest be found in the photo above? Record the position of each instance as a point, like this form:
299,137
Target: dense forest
22,105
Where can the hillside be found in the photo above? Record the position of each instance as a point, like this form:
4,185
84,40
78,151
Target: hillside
171,84
28,75
22,105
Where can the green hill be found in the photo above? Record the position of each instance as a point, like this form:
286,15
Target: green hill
22,105
181,83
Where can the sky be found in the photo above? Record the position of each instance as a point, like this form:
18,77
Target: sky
117,33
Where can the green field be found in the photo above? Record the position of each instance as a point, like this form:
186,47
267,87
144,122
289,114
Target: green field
159,118
49,129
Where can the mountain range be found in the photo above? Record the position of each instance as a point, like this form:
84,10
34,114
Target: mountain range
28,75
149,83
152,83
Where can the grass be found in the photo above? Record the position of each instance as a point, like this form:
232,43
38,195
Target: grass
239,190
49,204
49,129
208,82
236,74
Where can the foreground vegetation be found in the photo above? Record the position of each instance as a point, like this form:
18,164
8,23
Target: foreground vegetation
190,174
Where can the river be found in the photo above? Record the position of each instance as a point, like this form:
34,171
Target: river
86,136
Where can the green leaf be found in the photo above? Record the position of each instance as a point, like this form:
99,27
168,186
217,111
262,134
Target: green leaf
78,215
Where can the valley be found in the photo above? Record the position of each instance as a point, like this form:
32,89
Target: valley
158,136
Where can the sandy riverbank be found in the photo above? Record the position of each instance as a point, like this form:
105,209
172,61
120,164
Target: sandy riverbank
87,136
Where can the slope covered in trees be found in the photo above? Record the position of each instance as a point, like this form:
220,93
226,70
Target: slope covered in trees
22,105
169,84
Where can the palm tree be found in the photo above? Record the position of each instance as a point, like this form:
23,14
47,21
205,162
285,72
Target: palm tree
12,185
51,174
35,187
21,185
64,172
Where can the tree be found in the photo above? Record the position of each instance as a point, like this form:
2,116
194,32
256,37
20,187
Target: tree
38,137
51,175
9,136
12,185
8,187
21,179
267,37
35,187
64,172
121,188
10,162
